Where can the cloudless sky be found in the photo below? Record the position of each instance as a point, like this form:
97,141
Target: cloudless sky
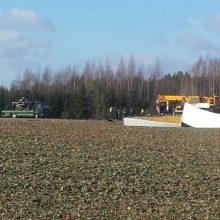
51,33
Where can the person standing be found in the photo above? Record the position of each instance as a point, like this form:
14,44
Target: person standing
110,112
118,114
123,112
142,112
131,111
158,107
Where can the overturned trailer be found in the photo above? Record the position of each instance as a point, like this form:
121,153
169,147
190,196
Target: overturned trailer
193,116
199,118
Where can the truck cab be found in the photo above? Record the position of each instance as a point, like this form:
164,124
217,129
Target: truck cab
40,110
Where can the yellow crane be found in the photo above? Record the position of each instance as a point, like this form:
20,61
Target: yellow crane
175,103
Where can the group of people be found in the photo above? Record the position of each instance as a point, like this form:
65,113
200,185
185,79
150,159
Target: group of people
121,113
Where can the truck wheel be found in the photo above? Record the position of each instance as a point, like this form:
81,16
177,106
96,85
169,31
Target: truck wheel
14,116
36,116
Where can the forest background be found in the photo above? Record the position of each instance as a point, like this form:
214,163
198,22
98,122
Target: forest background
90,92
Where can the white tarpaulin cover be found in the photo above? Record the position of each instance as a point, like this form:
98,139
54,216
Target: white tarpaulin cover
198,118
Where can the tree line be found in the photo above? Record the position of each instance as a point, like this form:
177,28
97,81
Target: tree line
90,93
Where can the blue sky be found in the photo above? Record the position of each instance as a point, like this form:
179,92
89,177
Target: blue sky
52,33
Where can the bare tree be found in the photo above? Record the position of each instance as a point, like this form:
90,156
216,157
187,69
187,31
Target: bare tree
120,77
131,73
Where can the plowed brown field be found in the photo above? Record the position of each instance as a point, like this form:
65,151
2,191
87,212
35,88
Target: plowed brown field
60,169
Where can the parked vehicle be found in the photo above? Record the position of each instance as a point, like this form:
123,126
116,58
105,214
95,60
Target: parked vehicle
26,109
168,104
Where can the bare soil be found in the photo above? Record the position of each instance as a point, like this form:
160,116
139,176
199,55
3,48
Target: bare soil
65,169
